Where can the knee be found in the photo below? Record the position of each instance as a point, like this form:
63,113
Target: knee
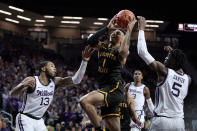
83,101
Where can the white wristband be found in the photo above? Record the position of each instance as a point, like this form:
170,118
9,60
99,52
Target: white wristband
150,104
80,73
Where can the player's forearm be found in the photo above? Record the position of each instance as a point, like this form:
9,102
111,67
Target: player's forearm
142,48
132,109
124,48
133,114
94,39
150,104
80,73
17,90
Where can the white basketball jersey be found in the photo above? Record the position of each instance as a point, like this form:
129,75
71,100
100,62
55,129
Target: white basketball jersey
138,95
37,103
170,94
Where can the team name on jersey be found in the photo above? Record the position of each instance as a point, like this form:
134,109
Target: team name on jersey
44,93
102,69
123,105
177,78
135,91
108,55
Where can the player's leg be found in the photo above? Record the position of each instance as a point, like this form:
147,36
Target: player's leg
23,123
112,123
89,102
40,126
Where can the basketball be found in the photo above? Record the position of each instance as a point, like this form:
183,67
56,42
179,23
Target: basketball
124,17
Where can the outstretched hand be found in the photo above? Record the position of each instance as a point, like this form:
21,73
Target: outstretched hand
87,53
141,23
168,48
112,24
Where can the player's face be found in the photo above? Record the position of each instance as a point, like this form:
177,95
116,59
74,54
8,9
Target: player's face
137,76
50,69
169,61
116,36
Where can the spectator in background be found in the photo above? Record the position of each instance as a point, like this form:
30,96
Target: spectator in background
5,126
63,126
58,127
0,121
14,106
5,99
50,127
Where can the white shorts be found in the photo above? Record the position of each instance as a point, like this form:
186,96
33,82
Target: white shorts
25,123
140,116
167,124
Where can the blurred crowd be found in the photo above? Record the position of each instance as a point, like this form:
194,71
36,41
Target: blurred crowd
20,57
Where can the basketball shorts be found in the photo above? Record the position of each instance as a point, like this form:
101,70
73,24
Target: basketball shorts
167,124
113,95
25,123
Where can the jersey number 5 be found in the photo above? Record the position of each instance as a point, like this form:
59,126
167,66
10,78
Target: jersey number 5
176,90
44,101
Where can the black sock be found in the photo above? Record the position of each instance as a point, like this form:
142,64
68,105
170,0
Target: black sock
98,129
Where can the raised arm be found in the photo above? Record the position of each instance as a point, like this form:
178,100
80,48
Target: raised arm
124,48
157,66
148,99
78,76
94,39
27,83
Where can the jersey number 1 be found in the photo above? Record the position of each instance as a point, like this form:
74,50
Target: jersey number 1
44,101
176,90
104,62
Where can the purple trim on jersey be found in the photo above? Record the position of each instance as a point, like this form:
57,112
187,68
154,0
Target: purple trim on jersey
24,103
20,123
42,83
157,97
164,79
179,73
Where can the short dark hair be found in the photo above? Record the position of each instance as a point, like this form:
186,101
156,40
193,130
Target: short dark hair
137,70
43,64
179,58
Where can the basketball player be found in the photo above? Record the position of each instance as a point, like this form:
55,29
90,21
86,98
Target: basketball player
139,92
39,91
172,86
127,111
111,59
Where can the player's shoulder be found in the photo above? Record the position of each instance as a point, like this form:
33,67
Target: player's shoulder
189,78
29,78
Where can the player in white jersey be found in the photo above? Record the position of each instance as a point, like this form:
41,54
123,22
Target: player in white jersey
172,85
39,91
139,92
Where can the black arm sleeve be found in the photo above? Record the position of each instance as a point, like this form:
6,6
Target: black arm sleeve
94,39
